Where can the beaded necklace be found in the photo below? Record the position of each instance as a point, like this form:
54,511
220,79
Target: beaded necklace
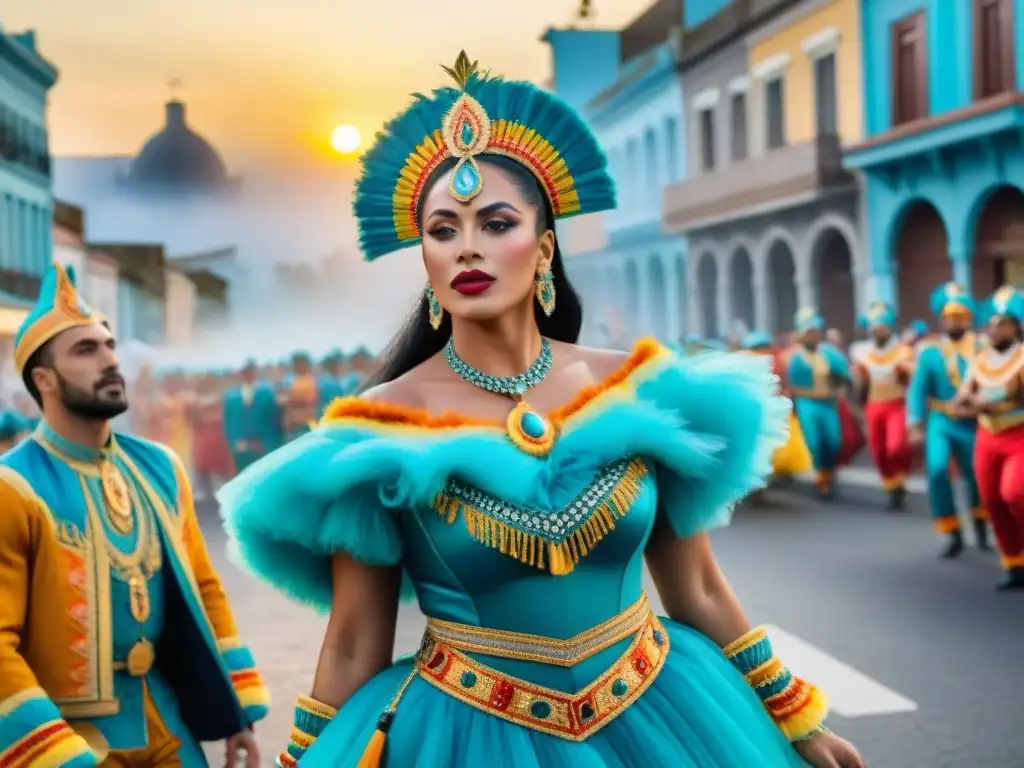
528,429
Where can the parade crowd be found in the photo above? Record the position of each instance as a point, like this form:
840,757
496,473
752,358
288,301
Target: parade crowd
220,422
950,400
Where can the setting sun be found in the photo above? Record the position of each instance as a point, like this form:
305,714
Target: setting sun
345,139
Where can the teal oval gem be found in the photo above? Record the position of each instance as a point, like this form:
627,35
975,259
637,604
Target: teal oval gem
533,425
468,679
540,709
619,688
466,132
466,180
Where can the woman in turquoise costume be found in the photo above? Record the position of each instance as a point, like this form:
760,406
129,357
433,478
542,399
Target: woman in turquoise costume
517,482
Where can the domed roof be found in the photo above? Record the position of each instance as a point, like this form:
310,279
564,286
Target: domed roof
178,156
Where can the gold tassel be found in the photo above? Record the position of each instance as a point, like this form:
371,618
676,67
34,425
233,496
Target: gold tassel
373,755
529,548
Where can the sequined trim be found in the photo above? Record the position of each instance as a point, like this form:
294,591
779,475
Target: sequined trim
565,536
521,646
569,716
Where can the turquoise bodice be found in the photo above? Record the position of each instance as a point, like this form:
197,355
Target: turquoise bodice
458,579
467,514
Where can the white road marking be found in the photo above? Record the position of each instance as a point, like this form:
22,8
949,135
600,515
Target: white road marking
851,693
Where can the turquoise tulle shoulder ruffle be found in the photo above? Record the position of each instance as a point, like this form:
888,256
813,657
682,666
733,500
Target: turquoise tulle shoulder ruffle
709,424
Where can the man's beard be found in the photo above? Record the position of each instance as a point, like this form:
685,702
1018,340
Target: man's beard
88,405
881,340
956,333
1003,344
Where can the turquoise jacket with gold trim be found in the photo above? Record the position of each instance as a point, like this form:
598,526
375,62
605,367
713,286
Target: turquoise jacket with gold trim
56,665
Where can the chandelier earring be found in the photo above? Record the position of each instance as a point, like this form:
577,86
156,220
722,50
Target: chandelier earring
544,287
435,313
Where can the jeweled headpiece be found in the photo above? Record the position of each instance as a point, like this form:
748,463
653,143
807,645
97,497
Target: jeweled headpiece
58,308
484,116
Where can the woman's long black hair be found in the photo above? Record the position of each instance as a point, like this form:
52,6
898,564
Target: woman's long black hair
417,341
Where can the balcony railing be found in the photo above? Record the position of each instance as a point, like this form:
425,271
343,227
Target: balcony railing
757,184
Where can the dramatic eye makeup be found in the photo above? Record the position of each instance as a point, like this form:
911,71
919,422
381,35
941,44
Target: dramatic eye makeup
496,218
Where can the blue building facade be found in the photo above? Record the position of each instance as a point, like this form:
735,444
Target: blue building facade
631,276
26,199
943,159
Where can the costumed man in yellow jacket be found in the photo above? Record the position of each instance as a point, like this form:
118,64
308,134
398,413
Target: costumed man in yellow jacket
117,644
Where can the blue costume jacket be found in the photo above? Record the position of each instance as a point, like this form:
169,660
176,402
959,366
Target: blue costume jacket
119,610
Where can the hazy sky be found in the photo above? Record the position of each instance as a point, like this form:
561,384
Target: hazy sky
271,73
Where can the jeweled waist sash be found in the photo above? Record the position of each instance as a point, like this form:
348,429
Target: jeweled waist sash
572,716
547,650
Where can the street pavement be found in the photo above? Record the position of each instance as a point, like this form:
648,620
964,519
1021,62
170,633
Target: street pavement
922,659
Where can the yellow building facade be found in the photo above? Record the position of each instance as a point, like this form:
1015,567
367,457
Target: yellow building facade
792,44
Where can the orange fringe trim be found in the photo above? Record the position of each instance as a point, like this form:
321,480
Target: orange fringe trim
387,413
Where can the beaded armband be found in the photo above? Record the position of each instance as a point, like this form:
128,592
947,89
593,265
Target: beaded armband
311,717
796,706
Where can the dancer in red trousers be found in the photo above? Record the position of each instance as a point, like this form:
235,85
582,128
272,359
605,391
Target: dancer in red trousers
881,372
994,391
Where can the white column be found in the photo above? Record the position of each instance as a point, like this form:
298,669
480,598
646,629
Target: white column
642,323
725,313
672,310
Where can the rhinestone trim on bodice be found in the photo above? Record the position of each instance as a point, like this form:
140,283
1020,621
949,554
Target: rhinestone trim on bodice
554,527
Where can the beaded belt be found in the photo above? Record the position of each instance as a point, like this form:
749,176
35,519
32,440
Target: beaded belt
572,716
524,647
947,407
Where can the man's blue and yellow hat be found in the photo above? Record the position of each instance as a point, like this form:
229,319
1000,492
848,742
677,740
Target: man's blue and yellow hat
756,340
879,314
808,319
484,115
1006,302
952,299
58,308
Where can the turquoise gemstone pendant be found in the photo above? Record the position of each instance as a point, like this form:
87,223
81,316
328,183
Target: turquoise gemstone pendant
465,181
533,425
529,431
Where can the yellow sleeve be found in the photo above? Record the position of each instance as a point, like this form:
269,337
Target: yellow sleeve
32,731
252,693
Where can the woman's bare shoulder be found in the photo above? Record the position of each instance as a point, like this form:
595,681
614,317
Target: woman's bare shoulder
600,362
406,390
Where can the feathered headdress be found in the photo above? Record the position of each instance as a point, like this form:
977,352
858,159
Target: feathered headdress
484,115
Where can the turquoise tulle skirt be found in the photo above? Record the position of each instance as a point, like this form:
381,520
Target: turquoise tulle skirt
698,713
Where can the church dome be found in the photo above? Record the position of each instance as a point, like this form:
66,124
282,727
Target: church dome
178,156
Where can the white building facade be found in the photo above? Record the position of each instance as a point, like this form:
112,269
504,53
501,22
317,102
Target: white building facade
631,276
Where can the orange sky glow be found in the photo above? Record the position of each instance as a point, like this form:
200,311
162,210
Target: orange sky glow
269,76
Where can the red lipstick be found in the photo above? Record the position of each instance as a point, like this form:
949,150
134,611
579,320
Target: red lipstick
472,282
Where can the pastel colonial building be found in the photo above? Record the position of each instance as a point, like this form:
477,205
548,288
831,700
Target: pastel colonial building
26,202
772,95
944,154
630,274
